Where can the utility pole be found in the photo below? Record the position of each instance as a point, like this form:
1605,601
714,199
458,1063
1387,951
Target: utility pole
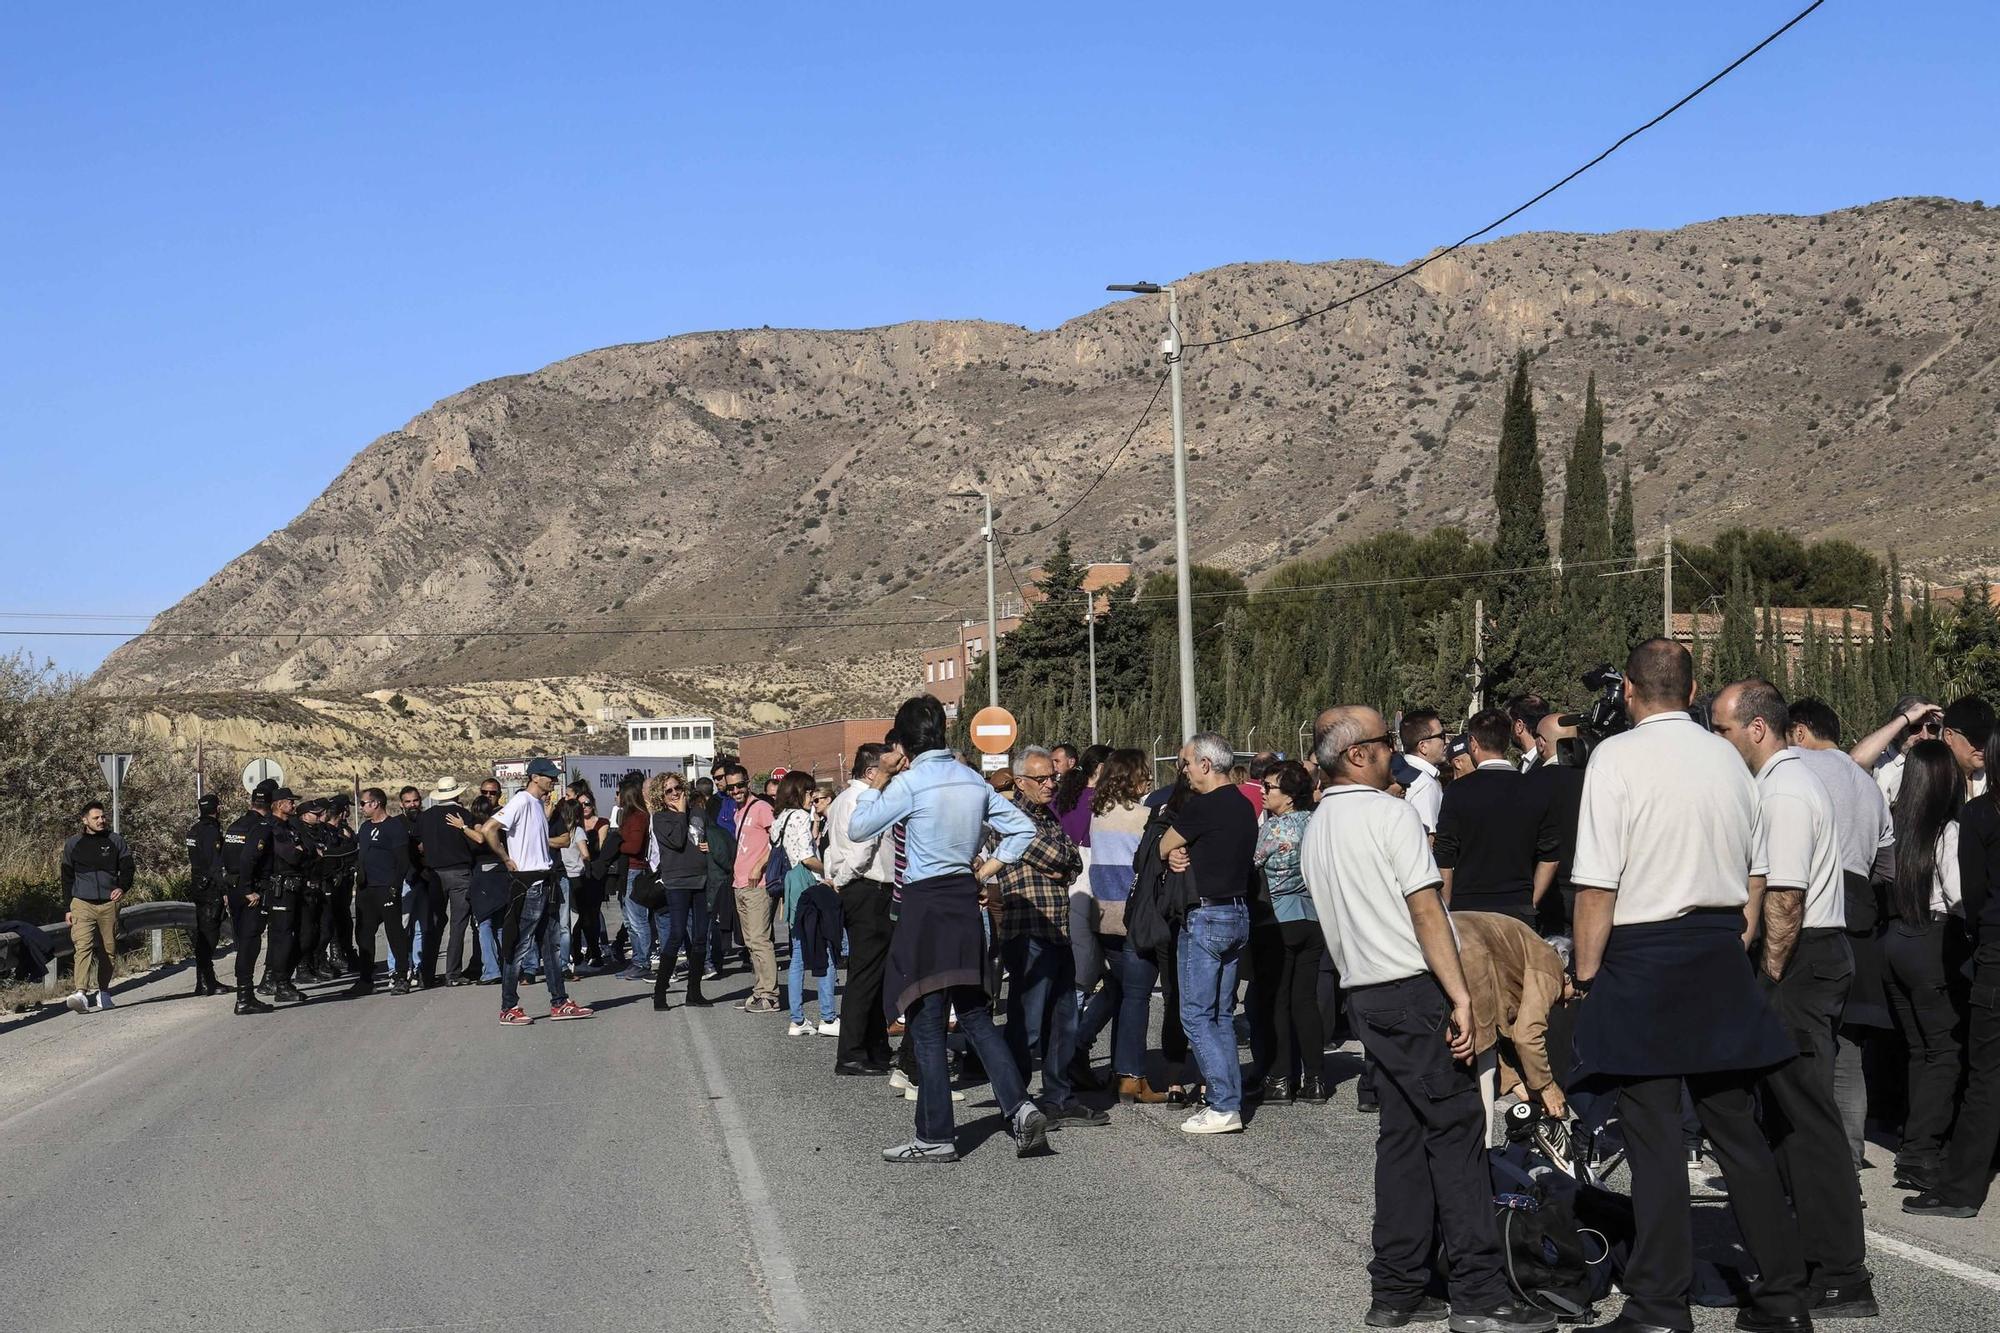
1090,631
992,612
1171,348
1478,654
1667,590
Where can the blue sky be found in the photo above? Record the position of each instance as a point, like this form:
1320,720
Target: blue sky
242,240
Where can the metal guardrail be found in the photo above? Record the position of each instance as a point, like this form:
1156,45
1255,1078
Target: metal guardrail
154,918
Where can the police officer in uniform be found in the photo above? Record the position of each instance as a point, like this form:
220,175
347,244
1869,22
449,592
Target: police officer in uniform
205,887
307,962
339,847
275,860
246,906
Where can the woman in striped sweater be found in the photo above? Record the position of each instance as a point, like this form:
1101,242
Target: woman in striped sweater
1118,819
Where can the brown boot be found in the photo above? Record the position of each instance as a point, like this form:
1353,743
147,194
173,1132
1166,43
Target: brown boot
1138,1090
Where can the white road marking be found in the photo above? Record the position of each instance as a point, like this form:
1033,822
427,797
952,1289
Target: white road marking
1917,1254
788,1302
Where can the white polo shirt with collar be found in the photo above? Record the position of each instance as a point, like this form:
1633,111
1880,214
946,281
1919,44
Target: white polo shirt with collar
1797,842
1365,852
1669,820
1426,794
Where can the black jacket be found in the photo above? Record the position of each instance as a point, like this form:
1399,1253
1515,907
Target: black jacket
274,849
204,848
236,837
93,864
1979,864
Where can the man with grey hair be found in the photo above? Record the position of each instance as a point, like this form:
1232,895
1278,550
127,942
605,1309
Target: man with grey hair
1212,839
1810,967
1375,886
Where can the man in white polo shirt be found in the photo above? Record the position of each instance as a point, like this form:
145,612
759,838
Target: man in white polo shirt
520,835
1423,736
1368,865
1666,844
1808,967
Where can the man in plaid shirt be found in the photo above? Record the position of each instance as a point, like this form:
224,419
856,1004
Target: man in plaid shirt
1034,946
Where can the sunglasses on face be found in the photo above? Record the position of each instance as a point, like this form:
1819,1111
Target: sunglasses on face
737,786
1383,739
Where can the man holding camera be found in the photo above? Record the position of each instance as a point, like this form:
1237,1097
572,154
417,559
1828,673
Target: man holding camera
1667,839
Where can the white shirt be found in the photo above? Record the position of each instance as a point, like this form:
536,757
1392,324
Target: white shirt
1668,820
1797,845
1946,894
1365,852
1889,776
526,825
1861,819
1426,794
847,860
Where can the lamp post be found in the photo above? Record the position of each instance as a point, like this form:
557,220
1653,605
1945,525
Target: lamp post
1171,349
1090,632
992,612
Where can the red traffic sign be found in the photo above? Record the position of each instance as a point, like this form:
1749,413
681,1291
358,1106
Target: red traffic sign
780,771
994,731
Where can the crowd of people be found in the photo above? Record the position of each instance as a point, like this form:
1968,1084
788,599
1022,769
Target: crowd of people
1699,918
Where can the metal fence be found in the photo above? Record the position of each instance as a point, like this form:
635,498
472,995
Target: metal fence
154,918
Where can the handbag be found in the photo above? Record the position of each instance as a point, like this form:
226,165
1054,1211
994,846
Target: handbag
780,864
647,890
489,891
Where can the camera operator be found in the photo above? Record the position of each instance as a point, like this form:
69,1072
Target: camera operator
1809,968
1664,855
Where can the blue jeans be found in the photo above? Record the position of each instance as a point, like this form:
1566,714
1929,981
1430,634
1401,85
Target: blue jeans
414,906
1041,999
795,987
1211,947
1127,997
530,918
927,1036
686,921
642,927
559,905
489,948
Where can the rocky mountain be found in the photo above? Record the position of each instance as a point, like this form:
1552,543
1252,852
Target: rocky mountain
778,496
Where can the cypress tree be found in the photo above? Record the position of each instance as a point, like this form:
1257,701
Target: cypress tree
1586,543
1527,654
1736,641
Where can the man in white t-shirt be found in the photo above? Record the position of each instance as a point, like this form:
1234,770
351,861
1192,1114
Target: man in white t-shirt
1809,967
519,834
1667,839
1423,735
1374,884
1881,751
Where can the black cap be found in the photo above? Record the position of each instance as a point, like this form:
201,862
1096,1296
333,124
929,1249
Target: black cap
278,793
261,793
1972,718
209,804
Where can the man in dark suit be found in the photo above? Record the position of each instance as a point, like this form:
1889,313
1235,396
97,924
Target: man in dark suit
1496,844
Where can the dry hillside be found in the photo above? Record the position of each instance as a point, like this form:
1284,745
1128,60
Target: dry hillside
1830,374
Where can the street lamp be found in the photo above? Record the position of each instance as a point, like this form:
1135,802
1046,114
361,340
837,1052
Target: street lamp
992,615
1171,349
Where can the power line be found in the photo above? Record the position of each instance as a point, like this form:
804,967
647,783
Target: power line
1513,213
1088,490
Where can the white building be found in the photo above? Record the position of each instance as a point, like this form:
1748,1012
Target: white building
686,738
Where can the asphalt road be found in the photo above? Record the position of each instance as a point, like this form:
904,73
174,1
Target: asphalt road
408,1163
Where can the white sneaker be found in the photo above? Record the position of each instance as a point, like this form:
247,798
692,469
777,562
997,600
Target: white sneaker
78,1003
830,1029
104,1000
1208,1120
900,1083
800,1030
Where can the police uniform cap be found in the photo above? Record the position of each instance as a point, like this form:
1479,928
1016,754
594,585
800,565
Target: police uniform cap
209,804
265,791
278,793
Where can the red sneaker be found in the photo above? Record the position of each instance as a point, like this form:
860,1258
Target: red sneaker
516,1018
570,1009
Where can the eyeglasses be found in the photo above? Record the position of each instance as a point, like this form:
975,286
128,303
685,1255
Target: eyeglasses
1928,728
737,786
1384,739
672,791
1272,786
1434,736
1034,777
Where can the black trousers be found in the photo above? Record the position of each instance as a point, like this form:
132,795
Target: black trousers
1920,999
1662,1264
337,919
246,923
449,912
311,905
1297,1037
207,934
1802,1118
1969,1165
1430,1151
378,905
1257,970
864,1028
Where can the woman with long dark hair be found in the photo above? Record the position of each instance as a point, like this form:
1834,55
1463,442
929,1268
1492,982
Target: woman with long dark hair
1125,1000
1926,895
587,943
635,825
1968,1163
793,828
1289,963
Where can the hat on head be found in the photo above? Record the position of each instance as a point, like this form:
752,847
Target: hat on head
283,794
315,806
447,789
209,804
544,768
261,793
1972,718
1402,770
1455,747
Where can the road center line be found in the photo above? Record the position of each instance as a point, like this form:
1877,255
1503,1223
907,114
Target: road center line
788,1304
1917,1254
